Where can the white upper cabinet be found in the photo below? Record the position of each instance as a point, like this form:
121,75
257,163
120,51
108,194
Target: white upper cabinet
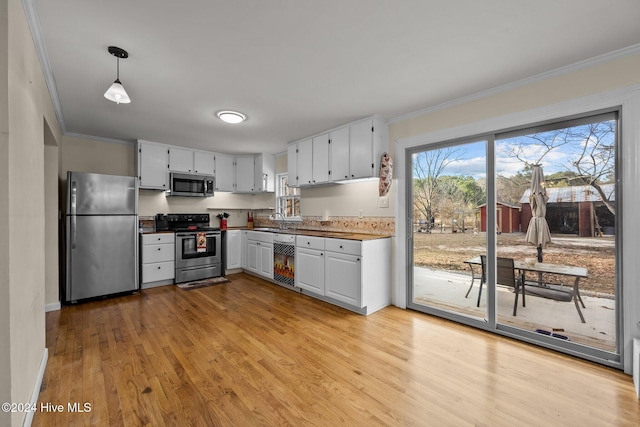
245,170
305,162
340,154
320,170
153,164
180,160
265,177
292,165
367,144
245,174
350,152
191,161
204,162
225,172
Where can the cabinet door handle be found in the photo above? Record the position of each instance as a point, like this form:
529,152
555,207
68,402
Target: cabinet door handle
159,268
159,249
358,259
340,246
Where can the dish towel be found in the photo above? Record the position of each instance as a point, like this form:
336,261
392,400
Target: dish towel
201,242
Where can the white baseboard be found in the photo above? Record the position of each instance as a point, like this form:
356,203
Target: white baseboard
636,365
28,419
52,307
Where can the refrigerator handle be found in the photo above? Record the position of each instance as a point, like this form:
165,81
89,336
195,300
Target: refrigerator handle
73,232
74,198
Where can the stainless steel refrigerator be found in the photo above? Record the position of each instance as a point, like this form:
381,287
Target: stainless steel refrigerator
102,235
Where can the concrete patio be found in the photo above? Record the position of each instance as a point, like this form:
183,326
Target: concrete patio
446,290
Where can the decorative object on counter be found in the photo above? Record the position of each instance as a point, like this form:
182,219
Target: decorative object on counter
187,286
250,220
386,172
147,224
223,220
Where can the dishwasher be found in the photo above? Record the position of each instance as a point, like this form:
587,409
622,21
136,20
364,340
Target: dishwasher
284,249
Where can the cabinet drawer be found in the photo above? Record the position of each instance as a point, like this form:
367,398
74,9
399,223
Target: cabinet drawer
158,253
310,242
157,238
158,271
353,247
260,236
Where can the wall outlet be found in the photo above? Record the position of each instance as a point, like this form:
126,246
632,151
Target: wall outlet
360,214
383,202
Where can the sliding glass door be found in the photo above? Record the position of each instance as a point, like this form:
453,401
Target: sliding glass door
448,230
517,232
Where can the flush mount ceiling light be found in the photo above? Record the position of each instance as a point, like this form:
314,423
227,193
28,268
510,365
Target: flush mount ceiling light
231,116
116,92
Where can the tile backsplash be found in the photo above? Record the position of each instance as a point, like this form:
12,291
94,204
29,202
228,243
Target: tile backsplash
370,225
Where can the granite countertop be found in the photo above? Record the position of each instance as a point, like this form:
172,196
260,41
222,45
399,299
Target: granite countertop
317,233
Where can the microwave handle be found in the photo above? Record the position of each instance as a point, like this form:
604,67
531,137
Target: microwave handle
205,187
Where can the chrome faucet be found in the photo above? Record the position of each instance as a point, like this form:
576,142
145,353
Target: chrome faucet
283,222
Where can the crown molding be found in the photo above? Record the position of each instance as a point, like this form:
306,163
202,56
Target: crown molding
100,138
33,21
601,59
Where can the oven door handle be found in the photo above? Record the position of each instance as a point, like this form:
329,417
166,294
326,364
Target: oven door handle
194,233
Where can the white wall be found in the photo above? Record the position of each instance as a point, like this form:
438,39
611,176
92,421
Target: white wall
25,107
605,84
354,199
5,335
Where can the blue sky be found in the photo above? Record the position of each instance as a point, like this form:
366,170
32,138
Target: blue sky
472,157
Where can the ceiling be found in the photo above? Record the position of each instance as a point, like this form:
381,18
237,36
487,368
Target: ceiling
300,67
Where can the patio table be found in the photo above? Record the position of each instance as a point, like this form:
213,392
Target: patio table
538,288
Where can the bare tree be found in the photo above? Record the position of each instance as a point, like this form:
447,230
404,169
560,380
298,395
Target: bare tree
428,167
589,148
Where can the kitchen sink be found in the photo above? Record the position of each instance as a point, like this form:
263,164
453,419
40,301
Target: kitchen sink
275,230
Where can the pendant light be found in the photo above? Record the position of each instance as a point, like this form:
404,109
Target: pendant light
116,92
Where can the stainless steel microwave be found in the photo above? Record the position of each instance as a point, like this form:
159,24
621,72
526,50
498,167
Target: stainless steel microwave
191,185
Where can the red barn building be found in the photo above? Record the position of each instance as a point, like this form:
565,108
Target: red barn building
507,217
575,210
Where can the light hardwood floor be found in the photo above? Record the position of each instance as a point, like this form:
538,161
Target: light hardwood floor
249,353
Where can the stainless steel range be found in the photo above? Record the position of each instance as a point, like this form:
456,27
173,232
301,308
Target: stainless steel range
198,246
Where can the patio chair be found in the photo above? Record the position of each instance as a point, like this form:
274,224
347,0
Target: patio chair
482,277
556,293
506,276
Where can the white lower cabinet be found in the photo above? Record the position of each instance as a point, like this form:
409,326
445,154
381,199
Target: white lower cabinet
265,265
343,278
354,274
310,270
157,260
233,250
260,253
243,244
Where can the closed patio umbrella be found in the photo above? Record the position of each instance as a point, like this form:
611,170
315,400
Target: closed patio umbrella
538,231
